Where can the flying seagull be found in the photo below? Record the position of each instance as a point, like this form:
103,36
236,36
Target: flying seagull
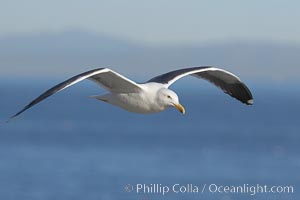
152,96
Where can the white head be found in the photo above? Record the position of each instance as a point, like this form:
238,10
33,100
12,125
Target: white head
167,98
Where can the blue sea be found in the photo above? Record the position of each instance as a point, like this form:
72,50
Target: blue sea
70,147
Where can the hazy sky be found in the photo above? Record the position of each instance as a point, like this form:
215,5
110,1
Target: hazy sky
157,21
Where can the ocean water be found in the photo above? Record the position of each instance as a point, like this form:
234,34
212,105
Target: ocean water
73,147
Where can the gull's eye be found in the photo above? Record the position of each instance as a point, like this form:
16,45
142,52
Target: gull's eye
169,96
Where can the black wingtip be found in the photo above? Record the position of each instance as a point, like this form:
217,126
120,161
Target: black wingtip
11,118
241,92
17,114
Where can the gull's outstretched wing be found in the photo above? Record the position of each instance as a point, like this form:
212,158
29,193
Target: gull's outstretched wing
105,77
228,82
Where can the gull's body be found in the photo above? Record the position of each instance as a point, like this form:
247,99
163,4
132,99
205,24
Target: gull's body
154,95
143,102
133,102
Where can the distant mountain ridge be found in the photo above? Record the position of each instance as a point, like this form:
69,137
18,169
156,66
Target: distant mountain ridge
52,54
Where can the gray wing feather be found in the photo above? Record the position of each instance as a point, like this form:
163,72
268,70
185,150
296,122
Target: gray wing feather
228,82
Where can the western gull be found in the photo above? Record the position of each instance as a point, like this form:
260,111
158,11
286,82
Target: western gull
154,95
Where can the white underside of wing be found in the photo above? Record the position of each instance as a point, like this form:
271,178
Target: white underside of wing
115,82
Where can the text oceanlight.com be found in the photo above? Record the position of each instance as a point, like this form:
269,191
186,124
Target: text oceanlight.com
161,189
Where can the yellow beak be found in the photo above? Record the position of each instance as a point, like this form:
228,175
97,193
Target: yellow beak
180,108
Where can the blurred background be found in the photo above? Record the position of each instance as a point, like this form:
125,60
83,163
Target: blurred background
73,147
